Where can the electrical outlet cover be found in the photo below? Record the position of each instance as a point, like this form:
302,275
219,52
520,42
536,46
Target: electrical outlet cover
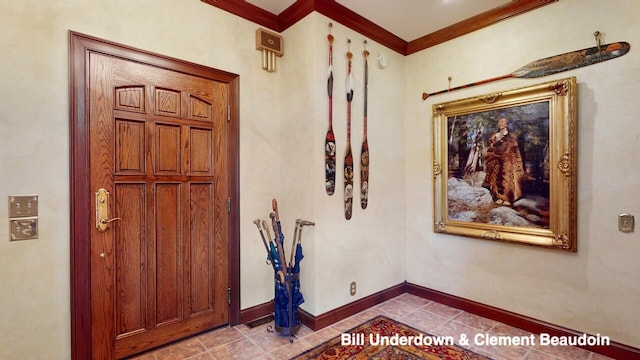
24,229
625,222
23,206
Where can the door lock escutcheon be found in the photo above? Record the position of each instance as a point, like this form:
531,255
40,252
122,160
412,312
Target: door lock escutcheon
102,210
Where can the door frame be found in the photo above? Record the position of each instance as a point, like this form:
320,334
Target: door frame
80,46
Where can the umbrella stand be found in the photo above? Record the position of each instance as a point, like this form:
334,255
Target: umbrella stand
293,324
287,288
293,277
286,317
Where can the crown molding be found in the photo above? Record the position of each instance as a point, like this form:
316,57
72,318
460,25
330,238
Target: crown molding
248,11
474,23
356,22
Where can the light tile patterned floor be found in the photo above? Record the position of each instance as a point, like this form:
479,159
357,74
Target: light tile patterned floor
242,342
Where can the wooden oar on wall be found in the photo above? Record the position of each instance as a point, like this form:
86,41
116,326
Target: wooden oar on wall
330,139
555,64
348,158
364,151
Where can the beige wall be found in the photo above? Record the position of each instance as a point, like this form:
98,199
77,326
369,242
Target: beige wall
365,248
283,120
595,290
34,133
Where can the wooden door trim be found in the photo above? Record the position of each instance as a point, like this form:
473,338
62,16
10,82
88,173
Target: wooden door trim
80,46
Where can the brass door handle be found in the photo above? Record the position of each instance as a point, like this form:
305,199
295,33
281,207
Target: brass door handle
102,210
105,221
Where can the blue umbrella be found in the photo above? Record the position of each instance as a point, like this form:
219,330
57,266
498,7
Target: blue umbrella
281,305
283,300
274,255
296,295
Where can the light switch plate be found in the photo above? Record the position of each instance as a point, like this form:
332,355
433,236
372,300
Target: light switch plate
23,206
24,229
625,222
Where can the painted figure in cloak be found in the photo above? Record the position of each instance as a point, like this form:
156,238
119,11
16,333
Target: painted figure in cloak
474,161
503,160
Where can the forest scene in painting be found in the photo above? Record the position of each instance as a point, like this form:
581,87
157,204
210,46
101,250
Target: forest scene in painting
498,166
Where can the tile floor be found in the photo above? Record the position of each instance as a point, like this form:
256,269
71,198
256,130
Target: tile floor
242,342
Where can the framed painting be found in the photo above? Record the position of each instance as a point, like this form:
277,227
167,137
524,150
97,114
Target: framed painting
504,166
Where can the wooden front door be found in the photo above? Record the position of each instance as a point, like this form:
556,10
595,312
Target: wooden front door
159,261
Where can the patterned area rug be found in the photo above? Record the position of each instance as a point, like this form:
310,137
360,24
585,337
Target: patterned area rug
384,338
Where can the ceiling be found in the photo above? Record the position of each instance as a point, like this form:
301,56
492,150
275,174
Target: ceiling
406,26
407,19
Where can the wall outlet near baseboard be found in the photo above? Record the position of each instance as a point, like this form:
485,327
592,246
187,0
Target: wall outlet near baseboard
352,288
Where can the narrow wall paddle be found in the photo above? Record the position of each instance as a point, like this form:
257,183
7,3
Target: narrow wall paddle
348,158
364,151
330,139
555,64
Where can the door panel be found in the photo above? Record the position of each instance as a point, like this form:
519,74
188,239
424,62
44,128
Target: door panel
158,146
200,162
169,255
131,258
167,102
201,232
168,149
130,147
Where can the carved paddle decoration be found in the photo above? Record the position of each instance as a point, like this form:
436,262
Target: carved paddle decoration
348,159
556,64
364,152
330,140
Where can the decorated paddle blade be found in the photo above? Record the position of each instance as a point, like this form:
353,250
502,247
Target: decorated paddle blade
572,60
348,159
330,163
554,64
364,151
330,140
364,175
348,184
330,151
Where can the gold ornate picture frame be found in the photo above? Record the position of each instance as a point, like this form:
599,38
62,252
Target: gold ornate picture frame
504,166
